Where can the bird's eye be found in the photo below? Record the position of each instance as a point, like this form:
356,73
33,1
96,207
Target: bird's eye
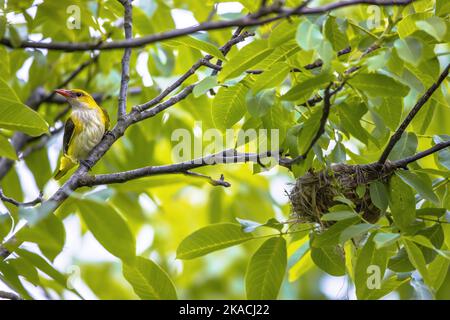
78,94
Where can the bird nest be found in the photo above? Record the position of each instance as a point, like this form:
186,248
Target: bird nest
316,192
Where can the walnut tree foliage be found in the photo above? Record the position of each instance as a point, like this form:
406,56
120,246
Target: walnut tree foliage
338,83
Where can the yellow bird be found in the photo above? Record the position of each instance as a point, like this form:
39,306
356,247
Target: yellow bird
83,130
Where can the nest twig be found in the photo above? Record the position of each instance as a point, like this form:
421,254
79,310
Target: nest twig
315,192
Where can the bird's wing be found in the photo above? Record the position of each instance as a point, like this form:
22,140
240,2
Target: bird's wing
69,129
106,118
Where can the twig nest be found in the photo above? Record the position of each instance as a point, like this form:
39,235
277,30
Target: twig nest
316,192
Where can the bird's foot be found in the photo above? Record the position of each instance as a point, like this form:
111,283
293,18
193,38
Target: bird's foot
88,164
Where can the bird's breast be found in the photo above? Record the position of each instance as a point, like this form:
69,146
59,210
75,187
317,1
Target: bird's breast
89,132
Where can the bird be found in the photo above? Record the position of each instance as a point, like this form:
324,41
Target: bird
83,129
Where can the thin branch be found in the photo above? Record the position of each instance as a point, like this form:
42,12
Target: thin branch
261,18
322,124
16,203
223,157
201,62
220,182
420,103
9,296
127,25
436,148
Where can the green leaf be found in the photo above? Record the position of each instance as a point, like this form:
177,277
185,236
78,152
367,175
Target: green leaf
149,281
266,270
419,184
309,130
387,286
405,147
48,233
272,77
333,33
198,44
438,270
409,49
417,259
308,35
11,278
434,26
350,116
383,239
14,115
5,225
106,224
204,86
330,237
306,88
246,58
434,212
379,195
259,104
443,156
211,238
330,259
401,202
355,230
407,25
6,149
339,215
391,110
370,268
43,265
25,269
378,85
229,106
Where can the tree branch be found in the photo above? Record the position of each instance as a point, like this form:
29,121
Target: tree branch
9,296
322,124
127,25
257,19
436,148
16,203
419,104
223,157
201,62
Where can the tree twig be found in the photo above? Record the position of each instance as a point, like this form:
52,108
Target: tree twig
263,17
419,104
322,124
9,296
127,25
436,148
16,203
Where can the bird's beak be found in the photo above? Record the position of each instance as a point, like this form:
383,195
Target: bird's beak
64,92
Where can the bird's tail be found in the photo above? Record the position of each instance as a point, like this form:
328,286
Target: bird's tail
65,165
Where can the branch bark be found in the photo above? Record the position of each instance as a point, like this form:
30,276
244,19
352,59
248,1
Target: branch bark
9,296
262,17
127,25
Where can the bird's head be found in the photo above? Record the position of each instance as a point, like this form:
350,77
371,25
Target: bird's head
78,98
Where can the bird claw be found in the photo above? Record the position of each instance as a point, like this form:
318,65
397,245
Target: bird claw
88,164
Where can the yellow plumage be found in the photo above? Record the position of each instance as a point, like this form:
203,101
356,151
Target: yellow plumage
83,130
